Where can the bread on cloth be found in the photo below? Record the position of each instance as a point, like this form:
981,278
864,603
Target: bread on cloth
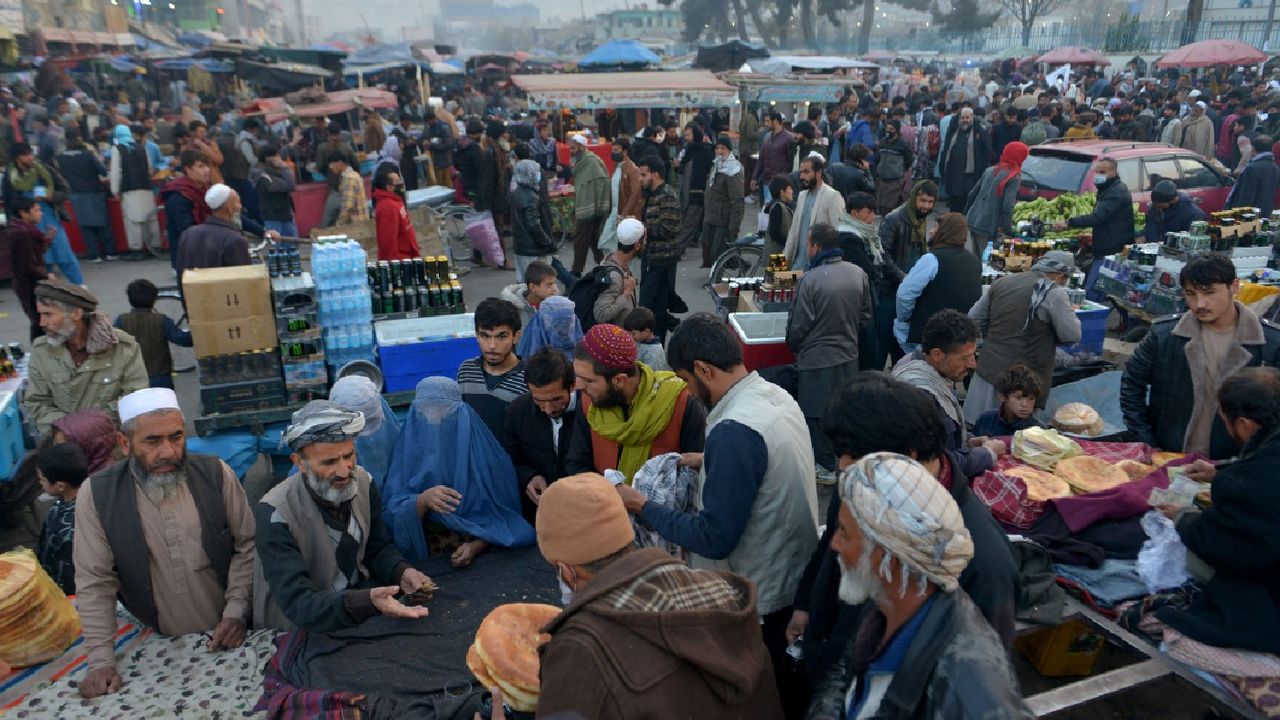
505,652
1088,474
37,621
1043,447
1160,458
1078,418
1135,470
1041,486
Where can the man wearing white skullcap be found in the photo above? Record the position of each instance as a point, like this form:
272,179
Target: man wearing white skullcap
922,645
218,241
619,298
168,532
327,560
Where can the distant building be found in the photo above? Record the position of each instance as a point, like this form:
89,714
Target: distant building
462,17
639,23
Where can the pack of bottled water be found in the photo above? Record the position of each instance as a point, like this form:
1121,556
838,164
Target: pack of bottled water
346,316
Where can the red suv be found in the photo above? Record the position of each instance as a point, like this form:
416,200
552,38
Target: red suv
1059,166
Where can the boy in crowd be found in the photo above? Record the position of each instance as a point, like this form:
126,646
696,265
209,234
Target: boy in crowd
153,331
61,469
539,284
1017,388
640,323
496,377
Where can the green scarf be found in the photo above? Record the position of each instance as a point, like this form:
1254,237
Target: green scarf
648,416
916,220
27,182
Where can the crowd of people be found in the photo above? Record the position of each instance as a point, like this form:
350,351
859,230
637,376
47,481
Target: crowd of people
587,387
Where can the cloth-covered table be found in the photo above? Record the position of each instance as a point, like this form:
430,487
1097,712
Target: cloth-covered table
393,668
170,677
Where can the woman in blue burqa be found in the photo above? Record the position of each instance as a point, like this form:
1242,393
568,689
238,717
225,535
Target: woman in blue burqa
381,428
451,487
555,325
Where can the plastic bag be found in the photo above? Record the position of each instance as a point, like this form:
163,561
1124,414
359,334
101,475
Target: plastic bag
762,221
1043,447
1162,561
483,235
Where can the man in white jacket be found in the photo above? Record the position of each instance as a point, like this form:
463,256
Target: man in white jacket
818,203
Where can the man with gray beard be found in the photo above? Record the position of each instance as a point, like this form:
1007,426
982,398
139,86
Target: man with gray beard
168,532
921,648
327,558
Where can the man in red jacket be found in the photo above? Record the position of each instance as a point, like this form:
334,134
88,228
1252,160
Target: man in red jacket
26,246
396,238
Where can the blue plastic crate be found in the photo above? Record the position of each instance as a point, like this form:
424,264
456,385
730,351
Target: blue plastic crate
11,446
1093,328
415,348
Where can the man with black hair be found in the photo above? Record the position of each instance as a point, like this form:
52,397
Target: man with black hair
153,331
493,379
832,305
662,250
775,152
1169,388
965,155
893,167
26,245
947,354
855,424
239,156
61,469
818,203
1004,133
1234,545
695,161
539,426
274,181
1111,219
755,506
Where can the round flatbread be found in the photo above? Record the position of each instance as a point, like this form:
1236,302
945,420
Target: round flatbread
1079,419
516,698
37,621
1089,474
1134,469
1160,458
508,641
477,668
1041,486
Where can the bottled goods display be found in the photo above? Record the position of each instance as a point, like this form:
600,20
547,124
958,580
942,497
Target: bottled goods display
345,315
422,286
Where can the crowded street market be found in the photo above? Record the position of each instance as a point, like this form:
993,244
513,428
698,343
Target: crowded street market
388,382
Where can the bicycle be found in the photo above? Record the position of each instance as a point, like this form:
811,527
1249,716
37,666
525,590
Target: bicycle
169,302
745,258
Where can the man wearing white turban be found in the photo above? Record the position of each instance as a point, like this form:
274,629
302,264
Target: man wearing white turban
923,647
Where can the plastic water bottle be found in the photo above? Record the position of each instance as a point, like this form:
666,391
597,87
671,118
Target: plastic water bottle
986,252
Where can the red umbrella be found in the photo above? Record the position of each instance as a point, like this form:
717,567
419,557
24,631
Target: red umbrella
1073,55
1212,52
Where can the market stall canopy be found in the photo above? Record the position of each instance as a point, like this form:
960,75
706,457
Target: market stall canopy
280,77
590,91
795,89
201,39
620,52
729,56
336,103
87,37
444,68
785,64
1073,55
1017,52
1212,52
207,64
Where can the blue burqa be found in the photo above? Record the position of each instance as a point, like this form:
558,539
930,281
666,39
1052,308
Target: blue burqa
554,325
445,442
375,443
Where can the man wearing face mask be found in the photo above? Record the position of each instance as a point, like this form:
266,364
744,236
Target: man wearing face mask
694,633
1111,219
327,560
893,160
724,202
966,153
694,163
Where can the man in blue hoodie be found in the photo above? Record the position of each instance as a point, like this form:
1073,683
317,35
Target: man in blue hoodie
864,130
1171,211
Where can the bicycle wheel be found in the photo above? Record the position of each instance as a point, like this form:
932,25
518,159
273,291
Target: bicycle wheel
737,262
453,233
169,302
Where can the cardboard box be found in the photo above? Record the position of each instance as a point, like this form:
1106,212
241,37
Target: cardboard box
230,293
243,334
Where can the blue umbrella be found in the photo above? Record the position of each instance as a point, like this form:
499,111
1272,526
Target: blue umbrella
620,52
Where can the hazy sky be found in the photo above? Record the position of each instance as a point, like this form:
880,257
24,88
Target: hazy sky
573,8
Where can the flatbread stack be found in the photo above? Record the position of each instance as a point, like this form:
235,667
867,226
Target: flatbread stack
1041,486
1088,474
37,621
1078,418
505,652
1135,470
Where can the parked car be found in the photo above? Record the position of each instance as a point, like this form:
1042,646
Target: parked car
1061,166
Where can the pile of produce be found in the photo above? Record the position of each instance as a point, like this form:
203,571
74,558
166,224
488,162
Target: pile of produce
1063,208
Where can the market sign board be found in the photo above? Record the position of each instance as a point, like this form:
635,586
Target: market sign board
591,91
793,93
595,100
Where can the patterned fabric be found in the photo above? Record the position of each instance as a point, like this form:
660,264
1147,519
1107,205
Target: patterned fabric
321,421
905,510
1262,693
282,701
674,587
170,677
55,545
611,346
666,485
355,204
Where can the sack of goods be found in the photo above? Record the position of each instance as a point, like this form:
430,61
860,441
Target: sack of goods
505,652
1078,419
37,621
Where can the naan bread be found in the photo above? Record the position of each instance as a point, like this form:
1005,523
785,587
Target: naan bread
1134,469
517,699
507,645
37,621
1078,418
1160,458
1089,474
1041,486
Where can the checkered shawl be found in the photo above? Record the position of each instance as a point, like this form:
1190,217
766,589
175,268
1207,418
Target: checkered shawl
667,485
673,587
905,510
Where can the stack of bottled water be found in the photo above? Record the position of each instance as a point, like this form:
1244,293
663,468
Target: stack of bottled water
338,266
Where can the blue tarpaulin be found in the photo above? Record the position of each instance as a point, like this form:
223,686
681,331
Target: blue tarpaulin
620,52
206,64
195,39
123,63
